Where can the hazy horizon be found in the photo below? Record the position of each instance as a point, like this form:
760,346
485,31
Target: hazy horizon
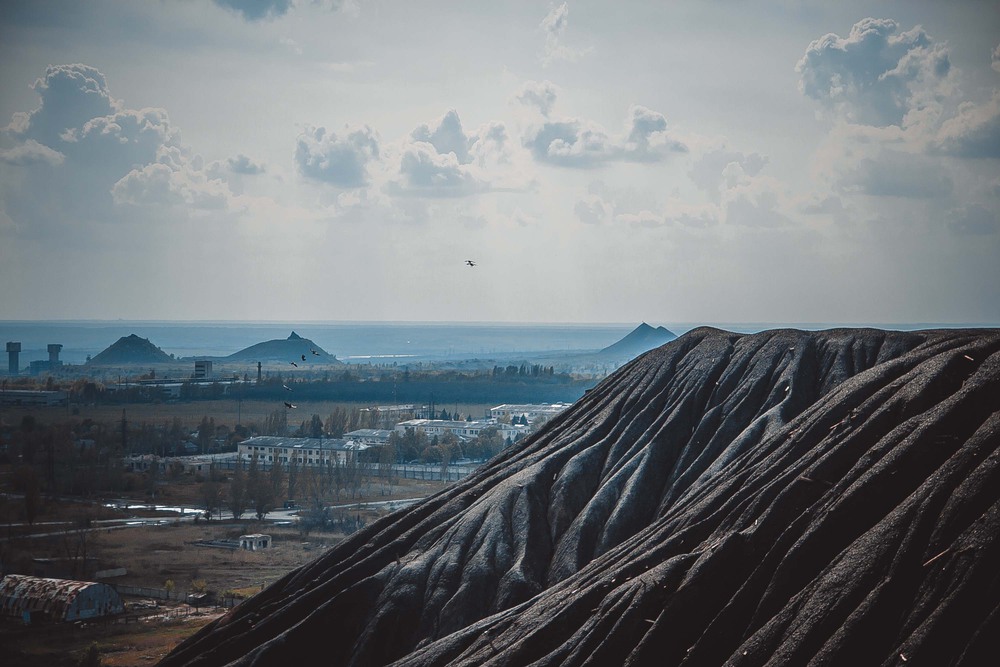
339,160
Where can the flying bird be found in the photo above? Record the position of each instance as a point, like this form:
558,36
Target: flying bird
285,386
303,357
470,262
293,364
289,405
315,352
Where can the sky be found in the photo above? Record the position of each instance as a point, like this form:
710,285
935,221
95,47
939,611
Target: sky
691,161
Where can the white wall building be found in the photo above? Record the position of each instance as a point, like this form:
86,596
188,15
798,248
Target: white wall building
530,410
462,429
301,451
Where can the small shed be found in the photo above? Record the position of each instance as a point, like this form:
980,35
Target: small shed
255,542
42,599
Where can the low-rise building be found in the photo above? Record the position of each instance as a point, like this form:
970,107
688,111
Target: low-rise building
462,429
255,541
531,411
32,397
369,436
41,599
269,449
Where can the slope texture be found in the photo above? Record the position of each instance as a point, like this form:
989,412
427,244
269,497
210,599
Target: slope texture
780,498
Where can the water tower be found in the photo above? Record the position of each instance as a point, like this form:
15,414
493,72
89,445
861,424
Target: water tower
54,349
13,350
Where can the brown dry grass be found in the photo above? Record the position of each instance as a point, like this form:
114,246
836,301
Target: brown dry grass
226,411
119,645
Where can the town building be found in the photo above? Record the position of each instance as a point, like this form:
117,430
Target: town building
33,397
202,370
35,599
531,411
255,541
269,449
462,429
370,436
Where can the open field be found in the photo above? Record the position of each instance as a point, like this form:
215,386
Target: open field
153,555
119,645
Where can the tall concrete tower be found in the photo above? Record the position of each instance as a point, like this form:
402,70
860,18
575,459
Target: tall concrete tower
54,349
13,350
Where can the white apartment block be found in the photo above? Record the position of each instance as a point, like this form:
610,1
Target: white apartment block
300,451
530,410
462,429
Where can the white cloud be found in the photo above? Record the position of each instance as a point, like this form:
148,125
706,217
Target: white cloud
897,174
973,133
340,161
573,142
425,171
538,94
995,62
175,179
446,136
554,25
593,210
29,153
876,75
241,164
70,95
707,170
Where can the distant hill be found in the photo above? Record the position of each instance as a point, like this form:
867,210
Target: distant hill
289,349
642,339
131,350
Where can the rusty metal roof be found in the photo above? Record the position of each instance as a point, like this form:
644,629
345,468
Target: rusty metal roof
20,593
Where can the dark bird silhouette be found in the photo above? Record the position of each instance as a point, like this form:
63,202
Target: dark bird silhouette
289,405
470,262
293,364
303,357
315,352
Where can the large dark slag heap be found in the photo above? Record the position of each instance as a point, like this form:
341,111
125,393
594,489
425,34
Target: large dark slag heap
776,498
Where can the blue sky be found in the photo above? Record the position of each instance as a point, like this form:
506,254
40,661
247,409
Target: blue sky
602,162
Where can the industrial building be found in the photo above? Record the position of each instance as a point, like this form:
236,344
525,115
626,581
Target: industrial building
13,352
35,599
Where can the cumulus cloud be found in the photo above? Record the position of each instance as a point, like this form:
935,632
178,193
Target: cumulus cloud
341,161
876,75
446,136
257,10
538,94
973,133
578,143
975,220
70,96
440,160
241,164
593,210
82,154
554,26
426,171
898,174
707,171
29,153
162,184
